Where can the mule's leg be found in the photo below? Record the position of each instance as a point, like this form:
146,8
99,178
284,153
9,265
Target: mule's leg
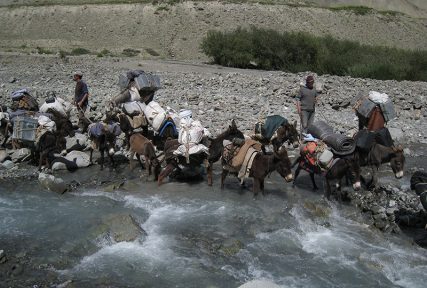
296,162
374,177
339,191
328,189
131,160
90,158
43,157
113,164
140,161
148,165
256,186
261,182
168,169
223,175
296,176
208,166
313,182
102,158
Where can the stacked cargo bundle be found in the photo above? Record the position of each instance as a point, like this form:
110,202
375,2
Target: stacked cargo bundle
374,110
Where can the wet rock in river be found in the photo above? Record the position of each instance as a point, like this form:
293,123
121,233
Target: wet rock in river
121,227
52,183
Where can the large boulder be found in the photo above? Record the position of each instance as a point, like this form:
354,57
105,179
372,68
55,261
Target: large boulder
82,159
78,142
120,227
20,154
52,183
3,155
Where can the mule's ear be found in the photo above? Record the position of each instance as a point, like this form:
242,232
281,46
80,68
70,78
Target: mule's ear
295,124
233,124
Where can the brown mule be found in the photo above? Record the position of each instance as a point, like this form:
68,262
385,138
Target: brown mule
141,146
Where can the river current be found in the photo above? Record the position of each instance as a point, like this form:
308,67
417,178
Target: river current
201,236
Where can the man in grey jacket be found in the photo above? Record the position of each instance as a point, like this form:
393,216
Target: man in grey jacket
306,102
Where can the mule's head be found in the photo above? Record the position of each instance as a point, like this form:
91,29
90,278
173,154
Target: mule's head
289,133
67,128
110,142
353,169
283,164
397,161
233,131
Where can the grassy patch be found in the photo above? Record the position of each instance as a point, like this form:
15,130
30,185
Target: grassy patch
103,53
152,52
42,50
358,10
297,52
128,52
79,51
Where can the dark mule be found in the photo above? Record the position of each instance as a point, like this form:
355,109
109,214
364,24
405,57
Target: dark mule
262,166
126,126
104,141
5,130
167,131
141,146
379,154
54,142
284,133
174,162
346,166
216,146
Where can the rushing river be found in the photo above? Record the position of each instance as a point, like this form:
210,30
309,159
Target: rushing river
201,236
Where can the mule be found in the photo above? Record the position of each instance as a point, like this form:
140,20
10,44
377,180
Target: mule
141,146
262,166
54,142
6,130
346,166
216,146
104,141
175,162
286,132
379,154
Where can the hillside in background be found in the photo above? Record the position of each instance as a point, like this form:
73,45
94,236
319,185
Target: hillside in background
175,31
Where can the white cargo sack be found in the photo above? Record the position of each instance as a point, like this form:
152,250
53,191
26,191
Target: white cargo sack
377,97
59,105
190,132
134,94
155,115
46,124
133,108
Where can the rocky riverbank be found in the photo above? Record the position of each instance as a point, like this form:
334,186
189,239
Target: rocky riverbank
217,94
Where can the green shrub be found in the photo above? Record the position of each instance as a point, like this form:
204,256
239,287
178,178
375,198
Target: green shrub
296,52
130,52
358,10
103,53
79,51
42,50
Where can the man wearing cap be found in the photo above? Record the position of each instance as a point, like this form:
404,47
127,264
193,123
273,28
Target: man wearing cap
81,93
306,101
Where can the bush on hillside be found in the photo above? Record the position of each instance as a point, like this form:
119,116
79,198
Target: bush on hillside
296,52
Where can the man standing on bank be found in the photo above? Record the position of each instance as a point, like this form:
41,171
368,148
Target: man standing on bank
81,93
306,102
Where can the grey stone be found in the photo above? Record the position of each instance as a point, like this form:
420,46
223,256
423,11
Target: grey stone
123,227
396,133
20,154
52,183
3,257
8,164
377,209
